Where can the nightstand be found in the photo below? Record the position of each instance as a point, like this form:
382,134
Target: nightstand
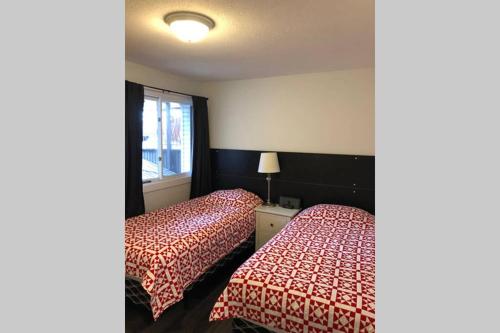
270,220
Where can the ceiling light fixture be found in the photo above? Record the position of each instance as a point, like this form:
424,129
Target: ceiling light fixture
189,27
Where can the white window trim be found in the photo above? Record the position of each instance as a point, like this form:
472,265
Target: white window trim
156,184
167,182
172,97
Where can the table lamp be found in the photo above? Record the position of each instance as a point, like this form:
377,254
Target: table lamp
268,164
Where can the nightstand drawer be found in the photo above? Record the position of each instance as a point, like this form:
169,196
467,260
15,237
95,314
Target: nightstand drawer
268,225
271,221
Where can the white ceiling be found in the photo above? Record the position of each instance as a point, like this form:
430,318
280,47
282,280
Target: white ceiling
254,38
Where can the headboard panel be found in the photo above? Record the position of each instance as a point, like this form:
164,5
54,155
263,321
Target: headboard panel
314,178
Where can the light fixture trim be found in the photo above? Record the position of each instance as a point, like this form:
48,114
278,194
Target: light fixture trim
183,15
189,27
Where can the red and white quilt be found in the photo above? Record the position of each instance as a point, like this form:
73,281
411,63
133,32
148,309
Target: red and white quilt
316,275
170,248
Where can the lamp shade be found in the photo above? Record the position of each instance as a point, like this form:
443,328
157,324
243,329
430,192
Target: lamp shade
269,163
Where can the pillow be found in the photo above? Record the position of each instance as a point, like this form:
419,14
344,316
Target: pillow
234,198
337,212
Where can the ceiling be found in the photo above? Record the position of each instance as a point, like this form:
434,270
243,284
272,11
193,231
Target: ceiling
254,38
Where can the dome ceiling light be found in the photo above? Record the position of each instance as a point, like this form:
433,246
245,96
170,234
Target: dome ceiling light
188,26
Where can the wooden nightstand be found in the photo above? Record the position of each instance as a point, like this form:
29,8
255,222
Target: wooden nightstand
270,220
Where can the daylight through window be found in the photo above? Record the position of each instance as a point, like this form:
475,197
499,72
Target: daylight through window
167,135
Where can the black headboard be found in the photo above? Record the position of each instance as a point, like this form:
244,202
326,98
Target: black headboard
314,178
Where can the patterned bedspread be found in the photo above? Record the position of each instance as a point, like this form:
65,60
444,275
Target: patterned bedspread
316,275
169,248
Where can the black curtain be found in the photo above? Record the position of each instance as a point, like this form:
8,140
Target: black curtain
201,176
134,102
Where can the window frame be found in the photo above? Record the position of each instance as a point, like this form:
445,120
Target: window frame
170,180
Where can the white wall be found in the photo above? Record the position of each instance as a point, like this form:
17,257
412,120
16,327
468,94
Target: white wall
161,195
156,197
156,78
330,112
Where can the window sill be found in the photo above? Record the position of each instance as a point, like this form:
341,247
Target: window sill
165,183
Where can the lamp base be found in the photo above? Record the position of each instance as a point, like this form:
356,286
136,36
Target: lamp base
269,204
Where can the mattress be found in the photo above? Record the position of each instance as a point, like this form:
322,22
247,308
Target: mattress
316,275
170,248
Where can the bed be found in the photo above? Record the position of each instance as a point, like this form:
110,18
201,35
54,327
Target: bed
316,275
168,249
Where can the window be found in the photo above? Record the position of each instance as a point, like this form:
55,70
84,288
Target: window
167,135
